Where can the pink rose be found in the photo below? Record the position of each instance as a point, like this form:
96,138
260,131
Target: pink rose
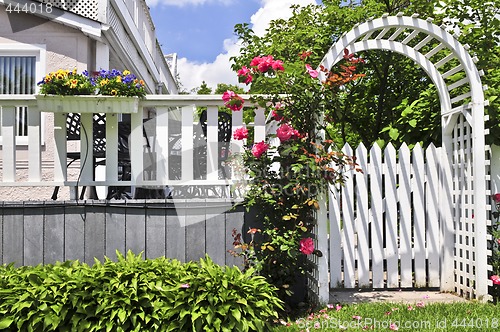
244,75
244,71
495,279
240,133
255,61
276,116
226,96
306,246
313,73
259,148
278,65
285,132
232,100
265,64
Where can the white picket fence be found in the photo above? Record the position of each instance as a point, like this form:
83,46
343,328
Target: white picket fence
384,225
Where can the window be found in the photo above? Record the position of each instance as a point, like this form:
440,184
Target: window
20,70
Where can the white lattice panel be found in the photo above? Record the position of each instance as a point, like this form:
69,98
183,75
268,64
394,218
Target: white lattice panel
463,211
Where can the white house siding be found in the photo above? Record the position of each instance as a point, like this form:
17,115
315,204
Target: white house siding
66,48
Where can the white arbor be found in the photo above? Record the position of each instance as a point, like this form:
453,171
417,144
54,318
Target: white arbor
462,197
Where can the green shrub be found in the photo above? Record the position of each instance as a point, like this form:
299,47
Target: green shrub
133,294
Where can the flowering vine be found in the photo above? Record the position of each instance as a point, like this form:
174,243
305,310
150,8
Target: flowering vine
287,178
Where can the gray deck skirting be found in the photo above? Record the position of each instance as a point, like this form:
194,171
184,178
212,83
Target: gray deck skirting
44,232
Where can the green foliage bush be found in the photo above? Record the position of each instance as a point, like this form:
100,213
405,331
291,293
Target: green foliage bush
133,294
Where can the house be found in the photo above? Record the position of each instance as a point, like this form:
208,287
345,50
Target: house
37,37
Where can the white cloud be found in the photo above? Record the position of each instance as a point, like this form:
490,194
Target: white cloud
271,10
182,3
192,74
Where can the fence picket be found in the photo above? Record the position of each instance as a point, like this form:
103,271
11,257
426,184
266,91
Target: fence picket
419,215
377,240
34,146
348,230
8,144
405,222
212,143
336,253
363,218
391,213
385,221
432,236
187,142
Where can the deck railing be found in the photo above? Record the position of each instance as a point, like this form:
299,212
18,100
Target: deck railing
167,145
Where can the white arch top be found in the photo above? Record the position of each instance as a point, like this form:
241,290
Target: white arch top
403,39
458,82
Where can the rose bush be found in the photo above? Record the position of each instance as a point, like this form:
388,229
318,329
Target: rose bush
287,178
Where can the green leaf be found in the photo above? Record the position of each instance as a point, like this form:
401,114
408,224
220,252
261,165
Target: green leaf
394,133
5,322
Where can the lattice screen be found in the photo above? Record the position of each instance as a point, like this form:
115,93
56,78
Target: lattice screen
313,275
465,261
85,8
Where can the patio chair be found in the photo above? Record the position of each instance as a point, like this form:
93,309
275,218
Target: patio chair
73,132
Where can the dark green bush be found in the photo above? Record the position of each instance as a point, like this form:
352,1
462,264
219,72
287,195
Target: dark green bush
133,294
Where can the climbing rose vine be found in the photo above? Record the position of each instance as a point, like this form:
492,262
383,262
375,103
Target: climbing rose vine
287,177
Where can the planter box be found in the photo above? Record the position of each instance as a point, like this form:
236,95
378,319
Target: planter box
87,104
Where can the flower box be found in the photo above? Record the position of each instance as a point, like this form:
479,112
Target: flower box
87,104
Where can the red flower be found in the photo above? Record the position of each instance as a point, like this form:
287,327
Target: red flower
265,63
278,65
253,231
240,133
285,132
496,198
304,55
307,246
313,73
255,61
259,148
495,279
226,96
244,75
276,116
232,100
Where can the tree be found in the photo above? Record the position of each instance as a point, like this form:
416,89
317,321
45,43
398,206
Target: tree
204,89
396,101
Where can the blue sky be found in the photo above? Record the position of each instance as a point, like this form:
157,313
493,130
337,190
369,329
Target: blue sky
197,32
201,32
